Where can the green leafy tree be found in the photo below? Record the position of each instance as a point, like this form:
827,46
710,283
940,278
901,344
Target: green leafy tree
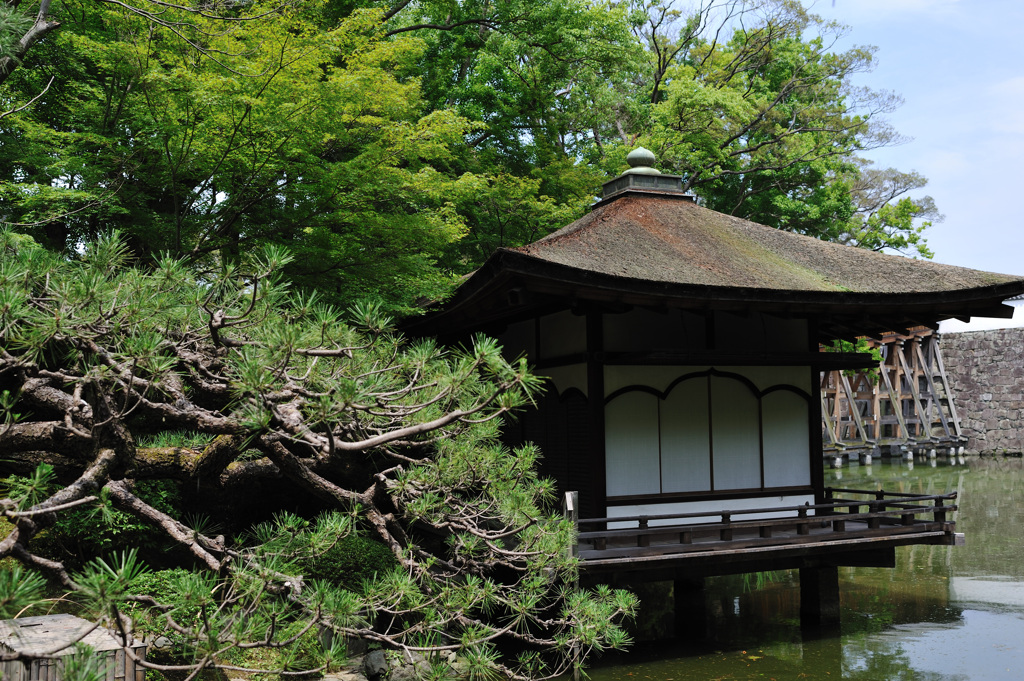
300,406
885,217
23,25
393,147
369,140
528,75
749,102
205,142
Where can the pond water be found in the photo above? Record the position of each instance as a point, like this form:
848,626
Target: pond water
943,614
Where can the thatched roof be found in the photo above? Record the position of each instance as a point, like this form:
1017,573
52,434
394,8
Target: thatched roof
665,239
660,250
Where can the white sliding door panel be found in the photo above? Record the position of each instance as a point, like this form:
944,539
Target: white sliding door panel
632,463
685,438
786,439
714,432
735,435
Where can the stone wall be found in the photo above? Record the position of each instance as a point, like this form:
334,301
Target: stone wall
986,375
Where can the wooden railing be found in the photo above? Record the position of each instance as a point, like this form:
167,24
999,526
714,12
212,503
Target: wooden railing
876,510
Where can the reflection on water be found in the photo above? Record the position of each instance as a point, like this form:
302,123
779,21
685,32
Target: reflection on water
1006,592
943,614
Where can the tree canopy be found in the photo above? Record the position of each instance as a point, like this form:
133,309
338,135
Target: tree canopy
237,397
281,131
392,147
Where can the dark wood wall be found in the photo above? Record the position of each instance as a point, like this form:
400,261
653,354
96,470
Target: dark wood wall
560,426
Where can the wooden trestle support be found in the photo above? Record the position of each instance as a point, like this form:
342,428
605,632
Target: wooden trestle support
902,407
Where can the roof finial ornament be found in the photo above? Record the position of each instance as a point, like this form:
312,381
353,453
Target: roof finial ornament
640,162
642,178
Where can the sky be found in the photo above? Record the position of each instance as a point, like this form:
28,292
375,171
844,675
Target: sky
959,65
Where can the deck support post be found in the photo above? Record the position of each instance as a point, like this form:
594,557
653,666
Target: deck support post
690,609
819,597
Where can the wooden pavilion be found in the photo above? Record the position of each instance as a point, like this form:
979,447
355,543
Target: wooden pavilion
684,417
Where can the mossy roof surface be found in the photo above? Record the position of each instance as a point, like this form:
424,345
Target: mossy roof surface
664,239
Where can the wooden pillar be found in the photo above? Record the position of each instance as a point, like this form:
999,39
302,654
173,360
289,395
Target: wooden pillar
819,597
896,349
815,414
691,612
941,366
876,405
571,511
595,400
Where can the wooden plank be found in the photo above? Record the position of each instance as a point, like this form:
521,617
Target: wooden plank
140,671
912,381
885,520
802,509
923,411
837,410
852,407
945,386
756,545
894,400
820,360
898,401
829,422
882,494
876,405
931,389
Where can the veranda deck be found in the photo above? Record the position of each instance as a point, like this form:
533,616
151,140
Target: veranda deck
864,524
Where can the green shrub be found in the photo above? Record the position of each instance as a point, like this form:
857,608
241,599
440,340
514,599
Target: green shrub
162,586
350,562
84,533
166,588
176,438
